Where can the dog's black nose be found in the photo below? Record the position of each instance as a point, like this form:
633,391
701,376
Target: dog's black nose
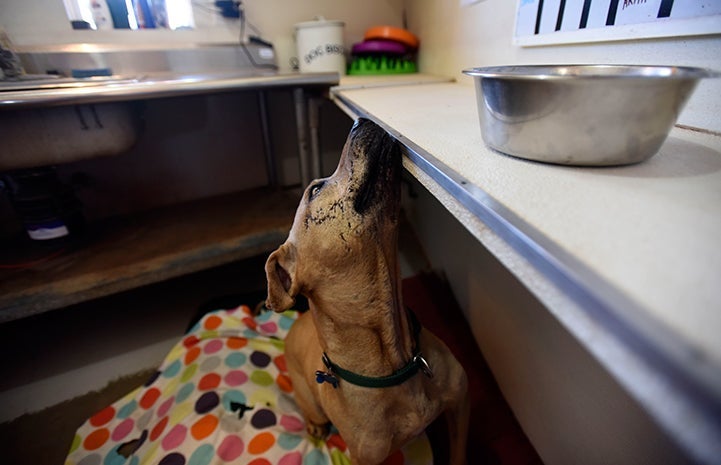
365,125
361,121
369,135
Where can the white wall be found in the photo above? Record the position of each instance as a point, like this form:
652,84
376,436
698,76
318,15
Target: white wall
43,22
454,38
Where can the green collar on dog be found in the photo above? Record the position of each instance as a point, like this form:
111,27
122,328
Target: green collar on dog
398,377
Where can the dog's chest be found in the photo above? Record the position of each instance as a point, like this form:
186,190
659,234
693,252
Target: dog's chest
396,414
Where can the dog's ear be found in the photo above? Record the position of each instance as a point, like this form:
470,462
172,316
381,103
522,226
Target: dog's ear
280,271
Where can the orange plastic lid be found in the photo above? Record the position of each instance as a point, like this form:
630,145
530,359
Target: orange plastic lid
392,33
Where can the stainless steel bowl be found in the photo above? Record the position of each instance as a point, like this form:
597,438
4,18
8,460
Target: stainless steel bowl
593,115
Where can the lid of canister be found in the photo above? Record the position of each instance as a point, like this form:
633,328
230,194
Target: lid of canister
392,33
319,21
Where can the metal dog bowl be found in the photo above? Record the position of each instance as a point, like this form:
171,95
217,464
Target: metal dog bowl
593,115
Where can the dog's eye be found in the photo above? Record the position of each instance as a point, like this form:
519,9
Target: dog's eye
315,189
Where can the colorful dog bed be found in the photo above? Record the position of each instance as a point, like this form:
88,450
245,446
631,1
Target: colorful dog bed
222,395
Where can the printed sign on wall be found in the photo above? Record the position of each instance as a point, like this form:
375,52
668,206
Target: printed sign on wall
542,22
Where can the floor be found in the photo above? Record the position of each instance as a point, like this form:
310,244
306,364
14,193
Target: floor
43,437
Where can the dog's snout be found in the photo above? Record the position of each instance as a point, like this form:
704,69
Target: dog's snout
382,167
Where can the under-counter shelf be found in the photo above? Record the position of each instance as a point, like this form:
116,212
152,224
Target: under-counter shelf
626,258
123,253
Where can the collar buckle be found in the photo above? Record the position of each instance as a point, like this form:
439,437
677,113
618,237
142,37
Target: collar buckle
421,363
326,376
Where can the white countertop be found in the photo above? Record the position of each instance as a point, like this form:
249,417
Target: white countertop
621,254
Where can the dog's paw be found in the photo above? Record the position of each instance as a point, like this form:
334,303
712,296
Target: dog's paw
318,431
259,308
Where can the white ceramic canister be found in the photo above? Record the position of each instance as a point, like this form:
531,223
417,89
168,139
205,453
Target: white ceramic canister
320,46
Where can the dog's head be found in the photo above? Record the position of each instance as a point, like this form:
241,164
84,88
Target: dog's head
345,224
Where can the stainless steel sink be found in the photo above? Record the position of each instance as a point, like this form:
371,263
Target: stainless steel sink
46,119
50,81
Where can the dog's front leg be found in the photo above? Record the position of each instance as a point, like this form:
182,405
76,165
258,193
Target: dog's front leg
457,418
317,423
302,355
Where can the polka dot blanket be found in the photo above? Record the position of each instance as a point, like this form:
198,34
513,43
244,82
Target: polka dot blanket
222,395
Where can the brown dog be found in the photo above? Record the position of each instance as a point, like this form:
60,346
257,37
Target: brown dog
358,359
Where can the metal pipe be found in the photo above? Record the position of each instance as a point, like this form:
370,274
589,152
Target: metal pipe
270,165
301,121
314,104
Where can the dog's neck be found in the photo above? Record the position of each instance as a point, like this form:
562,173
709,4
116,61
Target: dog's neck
377,338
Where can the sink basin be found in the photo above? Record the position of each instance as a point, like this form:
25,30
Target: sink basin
52,135
49,136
